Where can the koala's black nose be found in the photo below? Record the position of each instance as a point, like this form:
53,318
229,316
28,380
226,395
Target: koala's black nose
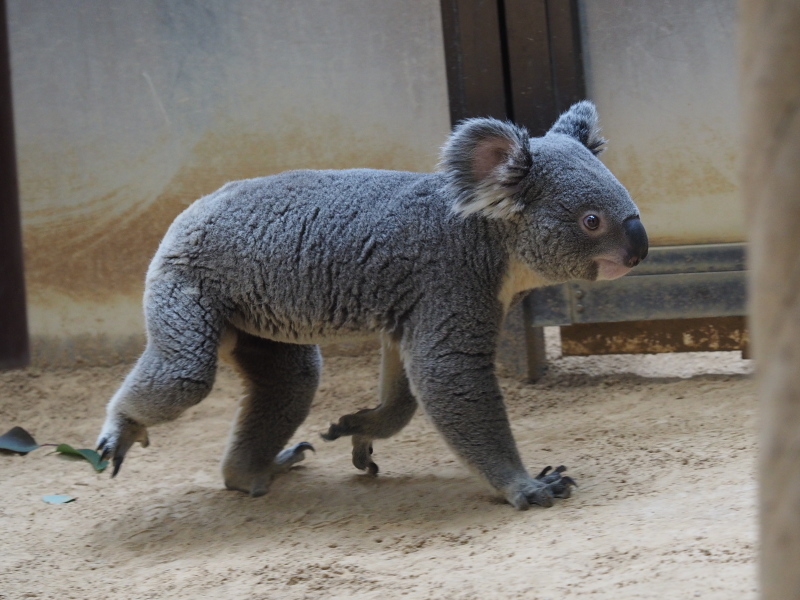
637,238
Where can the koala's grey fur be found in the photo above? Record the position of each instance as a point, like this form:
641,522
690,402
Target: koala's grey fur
266,268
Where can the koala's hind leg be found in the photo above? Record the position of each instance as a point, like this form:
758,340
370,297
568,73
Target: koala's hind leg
280,381
176,369
397,406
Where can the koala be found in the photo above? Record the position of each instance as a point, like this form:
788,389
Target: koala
264,269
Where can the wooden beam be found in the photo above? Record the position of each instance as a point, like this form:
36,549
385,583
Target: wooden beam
652,337
474,59
565,48
533,97
14,349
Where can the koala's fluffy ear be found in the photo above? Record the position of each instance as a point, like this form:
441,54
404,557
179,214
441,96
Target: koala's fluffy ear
580,122
485,161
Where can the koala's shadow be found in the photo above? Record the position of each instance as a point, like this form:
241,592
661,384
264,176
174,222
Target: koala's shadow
300,500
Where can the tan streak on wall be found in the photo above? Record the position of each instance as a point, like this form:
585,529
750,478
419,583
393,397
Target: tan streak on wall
663,76
87,255
677,189
128,111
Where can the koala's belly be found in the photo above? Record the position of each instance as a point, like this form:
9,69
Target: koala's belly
307,305
296,331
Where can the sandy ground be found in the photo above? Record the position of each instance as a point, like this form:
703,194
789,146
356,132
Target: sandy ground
663,448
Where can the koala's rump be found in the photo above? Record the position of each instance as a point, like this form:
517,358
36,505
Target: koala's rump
310,255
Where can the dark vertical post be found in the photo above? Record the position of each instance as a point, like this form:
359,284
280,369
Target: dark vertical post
519,60
530,67
14,350
569,84
476,54
474,57
546,70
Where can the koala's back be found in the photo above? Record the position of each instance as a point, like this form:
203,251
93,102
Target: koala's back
308,255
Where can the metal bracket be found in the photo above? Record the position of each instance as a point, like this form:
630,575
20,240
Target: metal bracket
675,282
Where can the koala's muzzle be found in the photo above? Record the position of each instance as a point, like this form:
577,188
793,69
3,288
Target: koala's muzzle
637,239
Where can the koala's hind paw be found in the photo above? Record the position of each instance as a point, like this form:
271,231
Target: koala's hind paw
117,437
542,489
291,456
256,482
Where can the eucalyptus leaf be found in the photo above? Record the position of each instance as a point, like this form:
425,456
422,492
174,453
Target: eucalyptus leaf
17,440
58,499
85,453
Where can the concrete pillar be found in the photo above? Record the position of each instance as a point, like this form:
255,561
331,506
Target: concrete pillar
770,79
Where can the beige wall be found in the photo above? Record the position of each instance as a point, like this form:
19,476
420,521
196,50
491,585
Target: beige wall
663,75
127,111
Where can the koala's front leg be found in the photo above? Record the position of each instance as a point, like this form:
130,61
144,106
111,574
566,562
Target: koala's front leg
397,406
454,379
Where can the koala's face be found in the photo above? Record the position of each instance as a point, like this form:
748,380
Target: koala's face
578,221
572,218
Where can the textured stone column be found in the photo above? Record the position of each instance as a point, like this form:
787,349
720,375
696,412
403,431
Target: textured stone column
770,69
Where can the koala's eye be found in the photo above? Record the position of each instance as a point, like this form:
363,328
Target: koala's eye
591,222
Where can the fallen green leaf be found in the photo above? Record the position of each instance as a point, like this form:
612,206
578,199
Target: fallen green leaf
89,455
58,499
17,440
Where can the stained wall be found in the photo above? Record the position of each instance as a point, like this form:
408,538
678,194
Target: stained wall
127,111
664,78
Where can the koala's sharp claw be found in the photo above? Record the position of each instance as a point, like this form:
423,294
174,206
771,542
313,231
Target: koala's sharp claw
550,475
119,434
302,446
291,456
103,449
117,464
543,489
362,453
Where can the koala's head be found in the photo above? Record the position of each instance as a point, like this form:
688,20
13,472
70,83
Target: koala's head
572,218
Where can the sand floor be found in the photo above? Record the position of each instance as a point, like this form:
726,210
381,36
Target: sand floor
663,448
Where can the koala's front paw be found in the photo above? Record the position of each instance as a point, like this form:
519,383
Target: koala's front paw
118,435
542,489
362,455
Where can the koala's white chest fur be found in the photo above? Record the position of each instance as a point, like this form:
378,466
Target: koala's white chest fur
518,278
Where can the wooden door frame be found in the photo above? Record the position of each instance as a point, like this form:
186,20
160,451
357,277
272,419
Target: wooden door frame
518,60
513,59
14,344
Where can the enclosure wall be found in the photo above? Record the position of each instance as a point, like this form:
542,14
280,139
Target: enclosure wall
663,76
127,111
